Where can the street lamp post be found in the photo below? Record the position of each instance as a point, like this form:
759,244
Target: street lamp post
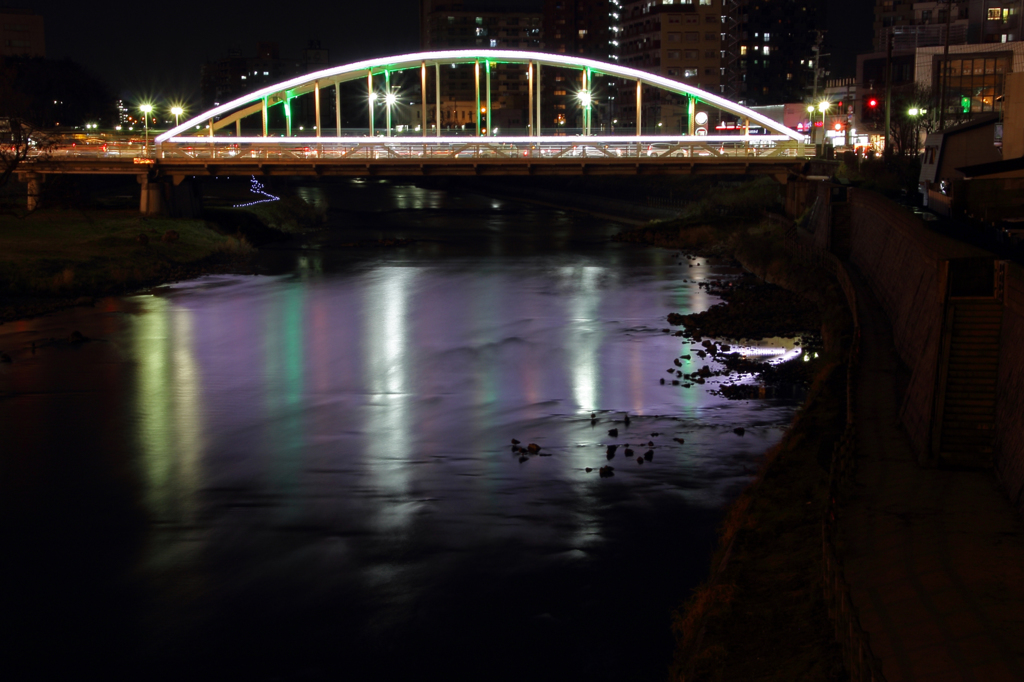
147,109
823,106
389,100
177,111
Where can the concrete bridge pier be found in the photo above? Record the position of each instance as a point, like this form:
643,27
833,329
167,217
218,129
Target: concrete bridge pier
176,196
150,199
35,189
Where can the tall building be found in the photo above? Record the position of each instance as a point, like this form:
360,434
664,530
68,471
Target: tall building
919,24
234,74
458,25
983,38
21,34
972,21
770,53
679,41
581,28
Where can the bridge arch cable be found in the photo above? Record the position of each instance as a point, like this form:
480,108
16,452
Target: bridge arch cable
258,102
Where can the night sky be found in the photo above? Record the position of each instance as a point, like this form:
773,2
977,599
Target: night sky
155,49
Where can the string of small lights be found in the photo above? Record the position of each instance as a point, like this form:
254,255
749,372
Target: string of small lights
256,187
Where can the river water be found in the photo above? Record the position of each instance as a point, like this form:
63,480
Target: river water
307,474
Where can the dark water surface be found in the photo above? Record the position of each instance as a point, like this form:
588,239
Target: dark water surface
307,474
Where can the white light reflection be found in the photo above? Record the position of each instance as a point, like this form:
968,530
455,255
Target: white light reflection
583,334
170,409
388,408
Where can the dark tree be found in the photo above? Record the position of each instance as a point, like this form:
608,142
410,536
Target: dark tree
37,94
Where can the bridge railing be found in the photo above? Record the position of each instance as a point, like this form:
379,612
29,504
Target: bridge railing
469,149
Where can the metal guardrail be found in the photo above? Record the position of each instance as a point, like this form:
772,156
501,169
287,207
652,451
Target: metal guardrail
339,150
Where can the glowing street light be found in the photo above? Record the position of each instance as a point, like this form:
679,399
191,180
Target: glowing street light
390,99
177,111
147,109
586,99
917,114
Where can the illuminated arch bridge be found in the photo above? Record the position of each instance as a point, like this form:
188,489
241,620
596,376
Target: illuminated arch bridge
216,136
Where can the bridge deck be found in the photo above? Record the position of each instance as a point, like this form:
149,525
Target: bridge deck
420,167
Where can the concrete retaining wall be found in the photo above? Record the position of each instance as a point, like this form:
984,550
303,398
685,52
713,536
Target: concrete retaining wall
1009,455
906,273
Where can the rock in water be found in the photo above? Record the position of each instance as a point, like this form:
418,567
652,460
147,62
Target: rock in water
611,450
629,452
76,337
613,432
523,459
649,455
588,470
533,448
515,442
739,431
606,471
639,460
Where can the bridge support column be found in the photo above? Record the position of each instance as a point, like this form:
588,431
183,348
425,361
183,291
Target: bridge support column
487,70
539,123
437,99
316,103
369,97
337,108
264,117
387,102
476,79
529,107
150,200
423,97
35,189
639,113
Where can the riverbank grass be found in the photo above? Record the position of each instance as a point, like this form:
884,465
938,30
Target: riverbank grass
61,253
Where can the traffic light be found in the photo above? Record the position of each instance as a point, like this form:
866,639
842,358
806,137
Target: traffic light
871,111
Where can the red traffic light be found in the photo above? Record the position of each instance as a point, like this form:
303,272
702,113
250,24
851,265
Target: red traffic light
872,102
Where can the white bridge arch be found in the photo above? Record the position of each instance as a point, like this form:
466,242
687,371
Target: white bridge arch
259,102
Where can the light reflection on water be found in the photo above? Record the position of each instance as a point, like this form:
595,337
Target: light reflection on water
325,458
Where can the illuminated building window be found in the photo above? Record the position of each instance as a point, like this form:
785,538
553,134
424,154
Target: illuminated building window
995,13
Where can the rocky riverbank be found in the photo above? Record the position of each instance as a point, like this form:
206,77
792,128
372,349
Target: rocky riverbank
760,615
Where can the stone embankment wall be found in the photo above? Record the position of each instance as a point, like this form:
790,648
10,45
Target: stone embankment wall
913,272
904,264
1009,460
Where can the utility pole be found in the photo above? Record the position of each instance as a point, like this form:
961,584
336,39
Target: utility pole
818,39
944,68
888,91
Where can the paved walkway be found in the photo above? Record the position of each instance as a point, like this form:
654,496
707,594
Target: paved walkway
934,558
